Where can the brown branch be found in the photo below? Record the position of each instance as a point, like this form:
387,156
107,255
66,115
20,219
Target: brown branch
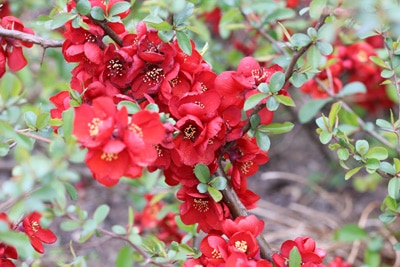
33,136
30,38
103,24
299,53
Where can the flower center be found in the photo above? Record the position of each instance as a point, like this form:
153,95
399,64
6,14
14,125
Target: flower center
199,104
246,166
109,156
216,254
200,205
136,129
241,245
189,132
90,37
174,82
115,68
35,226
153,76
94,126
259,75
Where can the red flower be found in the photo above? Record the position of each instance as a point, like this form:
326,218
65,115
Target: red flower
310,255
214,249
201,209
36,233
6,254
339,262
242,224
241,260
13,50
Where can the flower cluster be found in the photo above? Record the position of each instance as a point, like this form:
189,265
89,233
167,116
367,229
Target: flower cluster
10,48
351,63
32,228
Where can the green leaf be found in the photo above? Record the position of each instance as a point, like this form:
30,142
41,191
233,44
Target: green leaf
325,137
378,152
314,57
324,47
285,100
83,7
385,125
372,164
272,103
394,187
71,191
166,36
202,188
298,79
43,120
254,120
61,19
253,100
130,106
215,194
68,116
277,81
124,257
378,61
118,229
263,140
180,17
362,147
388,217
316,8
387,168
311,108
351,89
101,213
162,26
184,42
335,108
352,172
70,225
263,88
294,257
299,40
118,8
343,153
281,14
4,148
30,119
350,233
97,13
387,73
219,183
202,173
276,128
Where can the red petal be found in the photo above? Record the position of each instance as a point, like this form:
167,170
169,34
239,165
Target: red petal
16,59
37,244
46,236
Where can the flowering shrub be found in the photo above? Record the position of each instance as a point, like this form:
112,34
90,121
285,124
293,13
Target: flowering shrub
146,107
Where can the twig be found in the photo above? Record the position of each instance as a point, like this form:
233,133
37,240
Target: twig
33,136
26,37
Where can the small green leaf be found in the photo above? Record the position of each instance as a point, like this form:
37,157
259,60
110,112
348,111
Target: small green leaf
372,164
215,194
263,140
324,47
219,183
294,257
43,120
388,217
378,152
394,187
4,148
316,8
314,57
299,40
166,36
71,191
276,128
378,61
118,229
325,137
83,7
343,153
61,19
362,147
385,125
70,225
253,100
387,168
311,108
298,79
130,106
97,13
352,172
162,26
277,81
335,108
118,8
30,119
124,257
184,42
351,89
202,188
202,173
263,88
272,103
350,233
101,213
285,100
387,73
180,17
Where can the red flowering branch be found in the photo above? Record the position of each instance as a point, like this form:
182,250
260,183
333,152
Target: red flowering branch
45,43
